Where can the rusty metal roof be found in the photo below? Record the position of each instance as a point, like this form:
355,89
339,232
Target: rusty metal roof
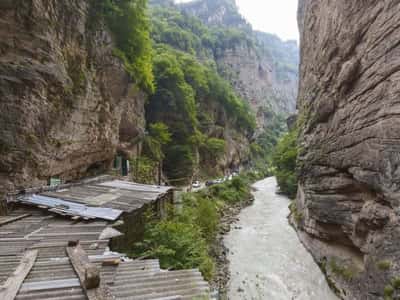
52,275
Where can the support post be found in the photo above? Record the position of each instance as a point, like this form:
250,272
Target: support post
3,205
88,273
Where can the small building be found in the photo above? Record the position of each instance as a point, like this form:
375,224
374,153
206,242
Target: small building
54,244
108,199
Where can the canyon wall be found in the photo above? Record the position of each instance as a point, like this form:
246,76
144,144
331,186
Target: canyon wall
66,102
349,164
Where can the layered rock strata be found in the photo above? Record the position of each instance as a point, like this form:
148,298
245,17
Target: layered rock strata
66,102
348,202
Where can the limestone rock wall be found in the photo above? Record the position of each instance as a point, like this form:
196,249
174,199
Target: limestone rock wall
255,77
66,104
349,164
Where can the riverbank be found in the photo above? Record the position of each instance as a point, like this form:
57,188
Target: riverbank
229,215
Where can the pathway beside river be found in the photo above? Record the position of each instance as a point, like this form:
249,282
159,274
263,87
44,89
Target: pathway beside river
267,261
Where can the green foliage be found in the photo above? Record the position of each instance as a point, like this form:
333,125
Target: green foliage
184,90
144,169
284,159
298,217
388,292
391,288
201,210
190,96
183,240
271,134
238,110
345,272
384,265
256,150
178,246
187,33
396,283
234,191
130,26
179,163
174,100
158,137
214,147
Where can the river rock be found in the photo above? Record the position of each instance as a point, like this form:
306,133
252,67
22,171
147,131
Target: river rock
349,162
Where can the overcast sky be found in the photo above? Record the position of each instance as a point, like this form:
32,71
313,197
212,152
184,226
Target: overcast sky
273,16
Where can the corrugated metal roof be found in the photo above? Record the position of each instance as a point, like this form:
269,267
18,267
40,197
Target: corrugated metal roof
53,277
115,194
64,207
136,284
137,187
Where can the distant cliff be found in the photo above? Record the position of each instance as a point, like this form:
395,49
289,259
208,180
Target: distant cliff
348,201
262,68
66,102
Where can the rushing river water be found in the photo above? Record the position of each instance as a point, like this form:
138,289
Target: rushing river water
267,261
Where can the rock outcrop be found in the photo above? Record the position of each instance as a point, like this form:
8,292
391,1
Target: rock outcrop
349,164
66,102
256,77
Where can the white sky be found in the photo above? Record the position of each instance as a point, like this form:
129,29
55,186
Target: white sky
272,16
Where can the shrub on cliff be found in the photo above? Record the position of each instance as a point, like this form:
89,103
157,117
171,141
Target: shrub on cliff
284,160
130,26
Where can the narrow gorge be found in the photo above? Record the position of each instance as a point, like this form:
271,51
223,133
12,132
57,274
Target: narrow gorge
173,150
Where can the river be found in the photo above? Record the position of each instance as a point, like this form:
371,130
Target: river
267,261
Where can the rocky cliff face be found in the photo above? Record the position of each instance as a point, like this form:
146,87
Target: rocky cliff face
256,76
348,201
262,68
217,13
66,103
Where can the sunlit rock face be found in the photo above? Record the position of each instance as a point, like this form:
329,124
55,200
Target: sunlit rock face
349,164
66,103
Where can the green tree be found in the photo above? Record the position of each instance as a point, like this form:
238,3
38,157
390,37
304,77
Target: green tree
130,26
158,137
284,160
178,245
